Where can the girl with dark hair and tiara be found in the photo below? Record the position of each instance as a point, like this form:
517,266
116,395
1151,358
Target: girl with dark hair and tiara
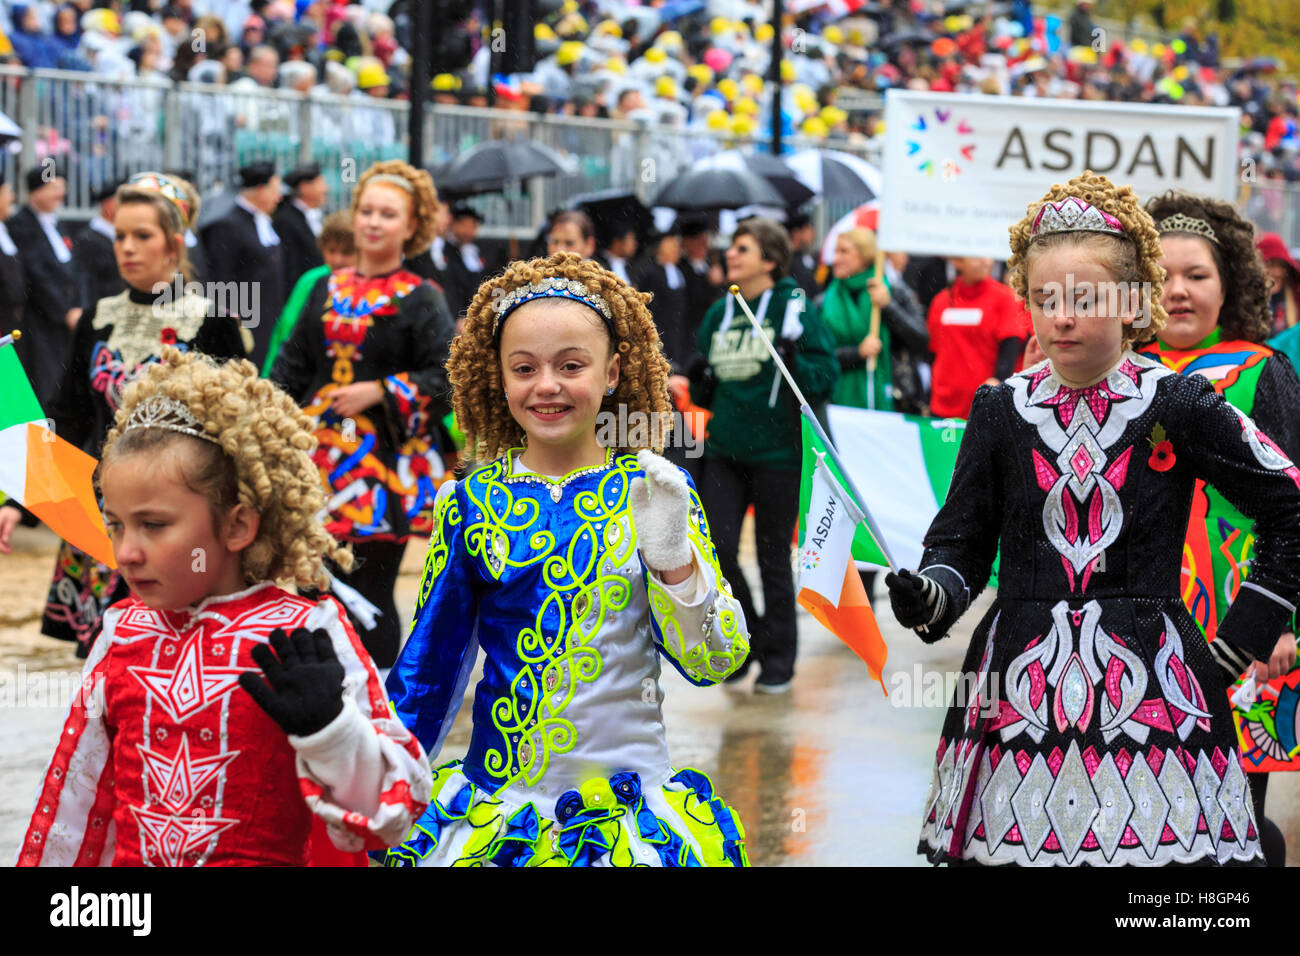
574,556
1095,728
1216,297
115,339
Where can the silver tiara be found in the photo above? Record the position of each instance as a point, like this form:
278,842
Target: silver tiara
162,412
552,287
1184,223
1073,214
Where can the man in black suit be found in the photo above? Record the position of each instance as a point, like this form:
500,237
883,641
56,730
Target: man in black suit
53,297
298,221
663,277
244,249
803,260
704,277
465,267
432,264
13,292
619,252
92,250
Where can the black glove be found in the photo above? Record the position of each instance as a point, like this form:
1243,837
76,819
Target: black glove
918,601
303,690
700,372
788,349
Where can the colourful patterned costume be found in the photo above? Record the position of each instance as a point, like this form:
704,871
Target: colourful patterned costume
165,761
1098,731
113,342
381,467
1220,539
567,764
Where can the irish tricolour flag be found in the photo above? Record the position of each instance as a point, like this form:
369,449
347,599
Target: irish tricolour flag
45,474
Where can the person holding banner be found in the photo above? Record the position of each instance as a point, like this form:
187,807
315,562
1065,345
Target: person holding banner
752,454
1216,295
1092,726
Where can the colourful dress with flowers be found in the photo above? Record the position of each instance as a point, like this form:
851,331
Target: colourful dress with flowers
1097,730
567,764
114,341
1220,540
380,468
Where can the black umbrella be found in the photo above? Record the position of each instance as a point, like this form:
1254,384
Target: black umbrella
488,167
709,189
611,207
905,36
793,191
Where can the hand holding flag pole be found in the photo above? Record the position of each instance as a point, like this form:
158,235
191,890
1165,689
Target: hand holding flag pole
806,410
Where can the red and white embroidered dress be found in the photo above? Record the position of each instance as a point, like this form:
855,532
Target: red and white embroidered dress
165,761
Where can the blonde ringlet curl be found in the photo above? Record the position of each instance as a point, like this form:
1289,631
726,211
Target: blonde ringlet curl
423,195
474,368
1134,258
263,460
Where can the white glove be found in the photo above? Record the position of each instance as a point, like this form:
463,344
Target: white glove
661,507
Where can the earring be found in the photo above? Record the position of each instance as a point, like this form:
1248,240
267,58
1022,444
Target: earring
610,390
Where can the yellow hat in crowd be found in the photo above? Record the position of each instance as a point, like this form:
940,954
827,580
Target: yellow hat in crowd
543,31
804,98
446,83
745,106
666,87
833,34
370,74
655,55
764,32
718,119
607,27
670,40
752,84
719,25
833,116
743,126
787,71
570,51
105,20
813,126
616,64
701,73
728,88
569,6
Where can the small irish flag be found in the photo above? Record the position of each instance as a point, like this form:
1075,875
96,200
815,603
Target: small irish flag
45,474
829,586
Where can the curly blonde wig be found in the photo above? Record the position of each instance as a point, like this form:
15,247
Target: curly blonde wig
1133,258
1245,313
474,368
263,460
424,200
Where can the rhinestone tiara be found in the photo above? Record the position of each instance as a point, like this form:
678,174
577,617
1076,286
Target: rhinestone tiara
552,287
162,412
1073,214
1180,222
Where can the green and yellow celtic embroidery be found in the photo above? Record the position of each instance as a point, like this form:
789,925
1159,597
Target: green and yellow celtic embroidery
446,520
584,587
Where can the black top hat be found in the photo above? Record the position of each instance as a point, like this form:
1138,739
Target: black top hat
692,224
462,210
104,190
256,174
302,174
38,176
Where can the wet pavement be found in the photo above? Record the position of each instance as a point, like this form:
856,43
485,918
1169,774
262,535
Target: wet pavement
831,773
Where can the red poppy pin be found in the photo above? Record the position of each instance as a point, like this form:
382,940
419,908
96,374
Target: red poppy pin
1162,450
168,336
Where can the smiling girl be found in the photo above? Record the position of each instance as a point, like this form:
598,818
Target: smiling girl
176,751
1099,732
115,339
366,361
574,567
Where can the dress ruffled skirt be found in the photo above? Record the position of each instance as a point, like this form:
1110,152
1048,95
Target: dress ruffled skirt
614,822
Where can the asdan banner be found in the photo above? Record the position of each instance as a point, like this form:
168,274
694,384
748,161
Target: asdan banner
960,169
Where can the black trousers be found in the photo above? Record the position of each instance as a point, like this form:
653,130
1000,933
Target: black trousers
727,489
374,574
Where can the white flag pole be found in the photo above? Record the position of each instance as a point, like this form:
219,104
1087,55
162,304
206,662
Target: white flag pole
11,338
807,413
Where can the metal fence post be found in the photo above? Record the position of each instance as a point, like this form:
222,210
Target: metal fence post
172,134
304,131
27,120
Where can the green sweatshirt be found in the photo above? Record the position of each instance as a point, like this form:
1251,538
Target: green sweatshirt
289,315
746,426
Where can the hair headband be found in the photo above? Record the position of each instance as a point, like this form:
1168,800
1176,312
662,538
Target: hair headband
162,412
393,180
1072,214
552,287
169,189
1181,222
